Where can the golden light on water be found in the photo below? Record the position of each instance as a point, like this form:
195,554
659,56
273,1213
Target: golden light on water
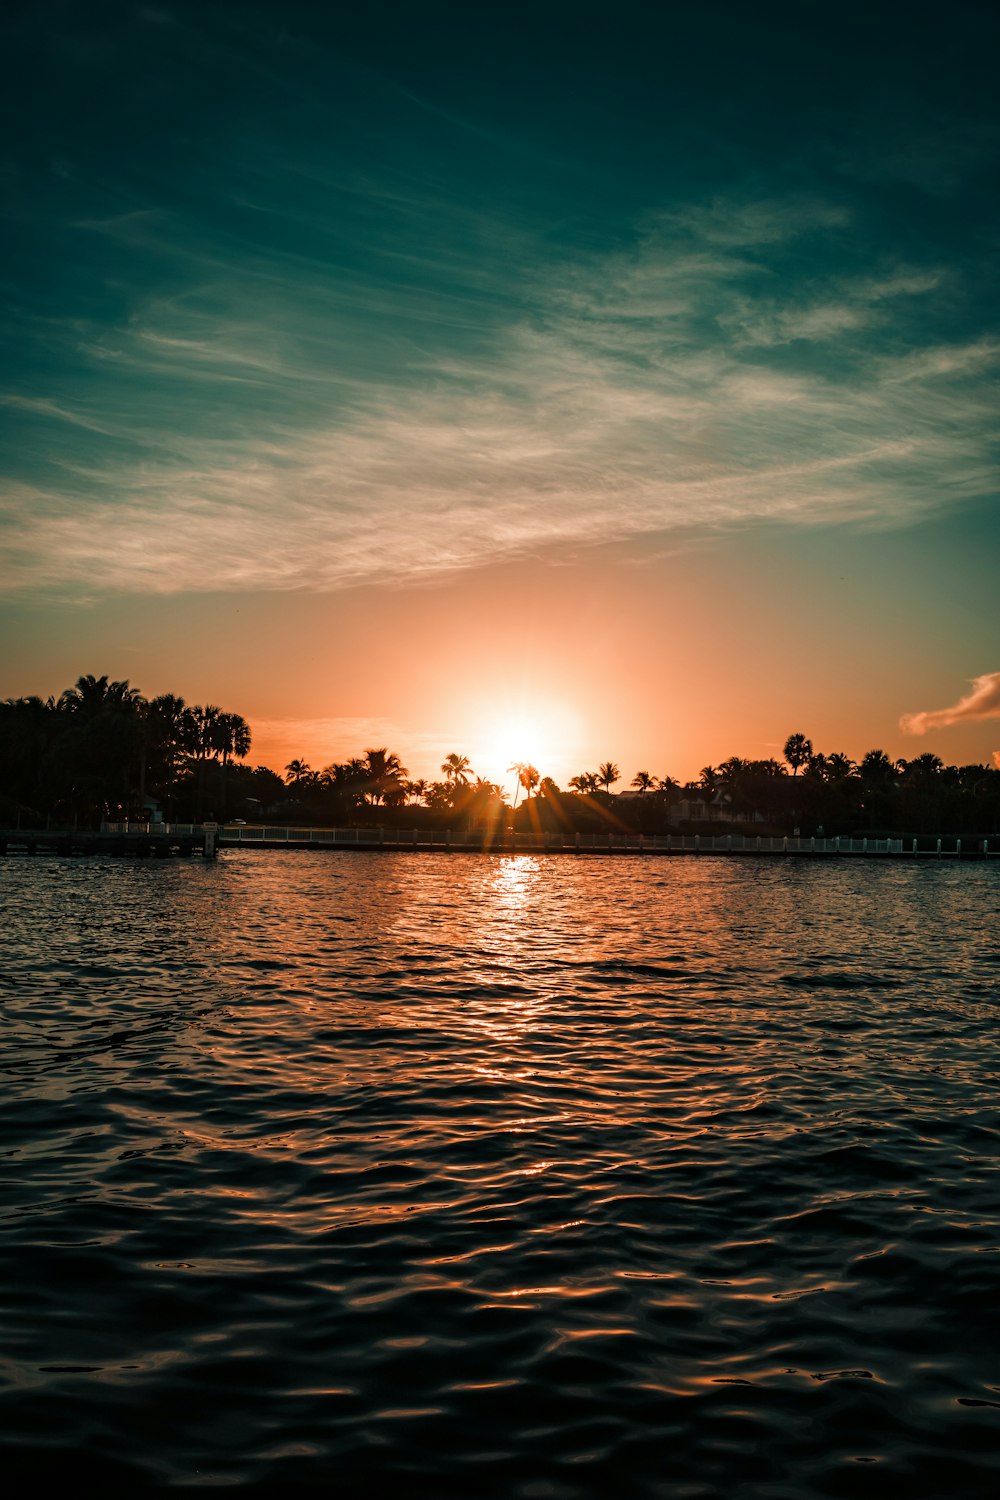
512,884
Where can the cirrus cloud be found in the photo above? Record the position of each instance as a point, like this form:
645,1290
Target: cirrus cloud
267,423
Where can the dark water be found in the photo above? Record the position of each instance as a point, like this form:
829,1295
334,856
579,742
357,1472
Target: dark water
501,1177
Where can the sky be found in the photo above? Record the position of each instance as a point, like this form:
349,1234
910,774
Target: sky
566,382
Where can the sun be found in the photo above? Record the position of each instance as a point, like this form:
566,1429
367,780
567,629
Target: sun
521,743
537,735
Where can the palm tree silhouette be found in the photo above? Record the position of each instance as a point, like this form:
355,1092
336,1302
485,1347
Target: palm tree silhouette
840,767
457,768
608,774
731,771
517,768
798,750
644,782
585,783
529,778
91,696
876,768
384,772
708,780
230,736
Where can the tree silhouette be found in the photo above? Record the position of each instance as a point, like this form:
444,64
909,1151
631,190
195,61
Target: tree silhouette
384,773
95,749
165,733
456,768
438,797
230,736
731,770
797,751
101,752
92,696
708,780
878,777
99,747
923,771
516,768
608,774
529,778
585,783
840,767
876,769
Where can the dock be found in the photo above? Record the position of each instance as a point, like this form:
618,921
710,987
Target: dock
138,841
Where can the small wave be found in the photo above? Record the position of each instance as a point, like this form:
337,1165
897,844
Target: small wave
838,979
515,1187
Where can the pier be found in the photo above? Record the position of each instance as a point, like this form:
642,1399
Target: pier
136,841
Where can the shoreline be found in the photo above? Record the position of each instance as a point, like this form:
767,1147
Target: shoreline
183,841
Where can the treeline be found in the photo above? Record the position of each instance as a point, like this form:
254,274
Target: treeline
102,750
375,787
809,790
830,791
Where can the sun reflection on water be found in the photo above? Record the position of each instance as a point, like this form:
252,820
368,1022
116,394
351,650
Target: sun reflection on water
509,1003
512,881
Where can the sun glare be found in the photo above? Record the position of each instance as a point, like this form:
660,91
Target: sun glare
540,736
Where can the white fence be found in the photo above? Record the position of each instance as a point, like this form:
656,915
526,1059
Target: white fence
130,826
635,843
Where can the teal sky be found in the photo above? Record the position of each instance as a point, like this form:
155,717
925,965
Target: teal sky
426,325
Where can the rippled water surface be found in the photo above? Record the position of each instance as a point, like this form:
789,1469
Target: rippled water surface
522,1177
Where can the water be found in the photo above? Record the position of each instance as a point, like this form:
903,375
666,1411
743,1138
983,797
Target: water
523,1177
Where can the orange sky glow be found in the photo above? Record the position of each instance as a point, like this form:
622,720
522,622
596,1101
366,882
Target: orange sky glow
665,663
452,415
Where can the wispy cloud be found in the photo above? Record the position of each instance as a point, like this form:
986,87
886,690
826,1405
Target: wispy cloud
278,424
983,702
855,305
